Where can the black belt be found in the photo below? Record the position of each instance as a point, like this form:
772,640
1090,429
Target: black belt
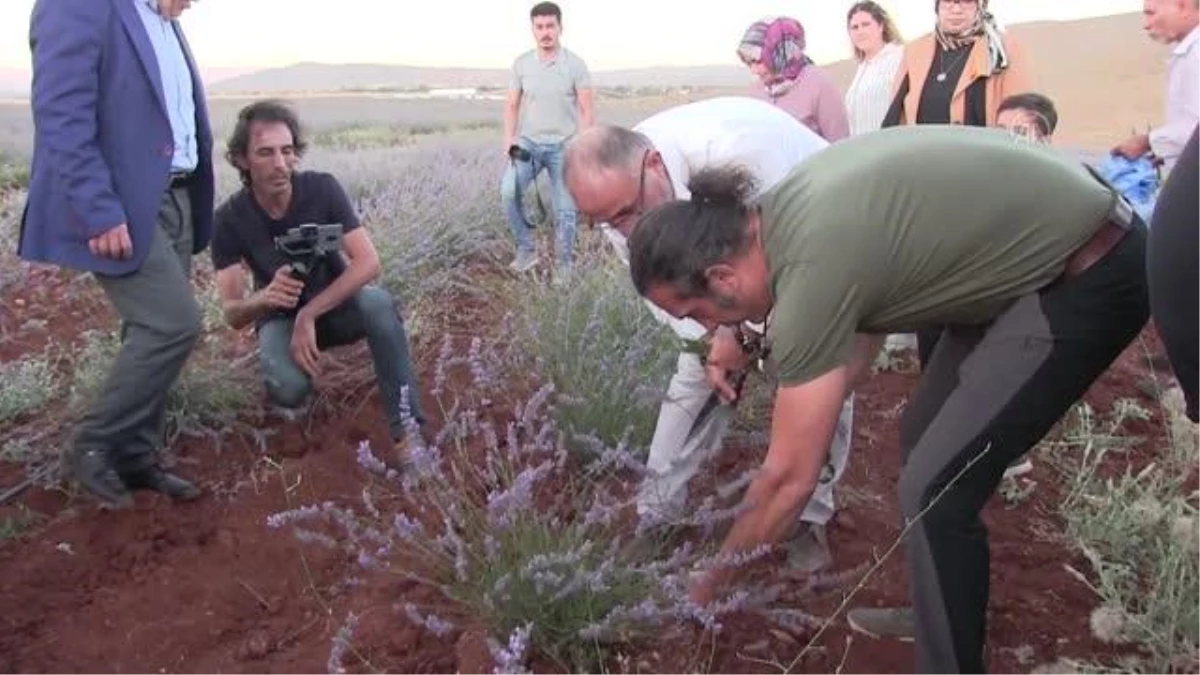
181,179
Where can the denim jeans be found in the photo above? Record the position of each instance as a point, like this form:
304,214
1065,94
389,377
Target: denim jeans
370,313
518,179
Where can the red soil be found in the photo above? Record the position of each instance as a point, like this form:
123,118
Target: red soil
208,587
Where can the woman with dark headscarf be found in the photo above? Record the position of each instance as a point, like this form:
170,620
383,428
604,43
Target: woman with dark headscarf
774,51
959,73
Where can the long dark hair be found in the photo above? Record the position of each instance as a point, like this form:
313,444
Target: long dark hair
677,242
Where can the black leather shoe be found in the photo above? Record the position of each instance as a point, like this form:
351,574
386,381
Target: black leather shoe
157,480
92,470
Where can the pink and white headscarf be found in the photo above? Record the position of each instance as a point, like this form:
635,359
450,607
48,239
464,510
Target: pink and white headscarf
779,44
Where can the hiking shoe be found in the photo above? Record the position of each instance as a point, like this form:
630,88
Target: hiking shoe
155,479
93,472
524,261
897,623
1018,467
808,551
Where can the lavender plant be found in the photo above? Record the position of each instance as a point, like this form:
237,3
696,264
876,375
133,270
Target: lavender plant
609,359
434,211
14,172
12,203
207,401
515,534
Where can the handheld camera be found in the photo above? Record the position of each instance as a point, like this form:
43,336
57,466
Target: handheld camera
306,246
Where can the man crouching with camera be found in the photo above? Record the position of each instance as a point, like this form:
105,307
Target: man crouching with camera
310,276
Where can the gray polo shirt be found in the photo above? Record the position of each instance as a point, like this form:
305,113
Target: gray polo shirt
549,94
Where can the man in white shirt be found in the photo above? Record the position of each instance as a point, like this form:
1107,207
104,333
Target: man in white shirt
615,175
1174,22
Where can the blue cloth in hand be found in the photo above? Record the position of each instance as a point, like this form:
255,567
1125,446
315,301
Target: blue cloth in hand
1137,179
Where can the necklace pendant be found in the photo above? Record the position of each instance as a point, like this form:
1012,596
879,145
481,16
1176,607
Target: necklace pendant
941,77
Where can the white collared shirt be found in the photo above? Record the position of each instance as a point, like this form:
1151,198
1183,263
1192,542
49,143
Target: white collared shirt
717,131
1182,100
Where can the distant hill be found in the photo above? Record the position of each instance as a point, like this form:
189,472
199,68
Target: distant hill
1104,74
1066,49
326,77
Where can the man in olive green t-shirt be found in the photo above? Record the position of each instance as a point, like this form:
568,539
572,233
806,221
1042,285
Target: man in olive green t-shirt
1032,265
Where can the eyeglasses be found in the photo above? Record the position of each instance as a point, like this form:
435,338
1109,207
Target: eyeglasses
634,208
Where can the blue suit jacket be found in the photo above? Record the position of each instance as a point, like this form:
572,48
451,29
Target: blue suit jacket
103,143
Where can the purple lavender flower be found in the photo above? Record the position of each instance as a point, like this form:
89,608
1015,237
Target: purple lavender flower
368,460
511,658
432,622
406,528
341,644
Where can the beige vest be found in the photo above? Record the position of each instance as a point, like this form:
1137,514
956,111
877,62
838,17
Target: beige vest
918,59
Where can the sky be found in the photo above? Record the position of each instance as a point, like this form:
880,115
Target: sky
608,34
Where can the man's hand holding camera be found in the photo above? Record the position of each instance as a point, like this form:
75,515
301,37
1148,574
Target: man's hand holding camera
283,293
284,290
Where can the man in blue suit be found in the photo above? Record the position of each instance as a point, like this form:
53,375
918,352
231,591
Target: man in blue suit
122,187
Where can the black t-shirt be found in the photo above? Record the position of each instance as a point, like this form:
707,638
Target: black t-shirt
244,231
934,104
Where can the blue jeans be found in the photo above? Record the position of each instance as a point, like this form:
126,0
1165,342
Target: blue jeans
370,313
519,177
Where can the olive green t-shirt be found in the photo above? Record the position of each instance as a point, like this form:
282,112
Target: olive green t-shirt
916,226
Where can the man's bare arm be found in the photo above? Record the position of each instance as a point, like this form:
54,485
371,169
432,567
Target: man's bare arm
587,108
512,107
802,428
239,311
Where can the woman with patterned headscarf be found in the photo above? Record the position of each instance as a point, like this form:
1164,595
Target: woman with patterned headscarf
959,73
773,49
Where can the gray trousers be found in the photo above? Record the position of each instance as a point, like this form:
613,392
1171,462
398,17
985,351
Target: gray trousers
999,387
370,313
160,323
674,458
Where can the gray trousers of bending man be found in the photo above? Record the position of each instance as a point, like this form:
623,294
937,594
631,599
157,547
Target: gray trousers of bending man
675,458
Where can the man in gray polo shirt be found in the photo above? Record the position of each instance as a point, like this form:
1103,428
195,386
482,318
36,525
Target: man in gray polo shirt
550,98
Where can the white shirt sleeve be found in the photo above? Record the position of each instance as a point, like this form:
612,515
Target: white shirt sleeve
1183,106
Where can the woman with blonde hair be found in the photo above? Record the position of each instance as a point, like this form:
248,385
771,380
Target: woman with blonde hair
959,73
878,50
773,49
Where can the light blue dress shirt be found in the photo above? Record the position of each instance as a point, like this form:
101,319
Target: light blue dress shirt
176,84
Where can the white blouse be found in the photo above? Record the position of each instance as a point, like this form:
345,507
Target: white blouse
870,92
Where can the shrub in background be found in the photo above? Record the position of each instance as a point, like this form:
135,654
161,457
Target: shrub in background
207,399
609,359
